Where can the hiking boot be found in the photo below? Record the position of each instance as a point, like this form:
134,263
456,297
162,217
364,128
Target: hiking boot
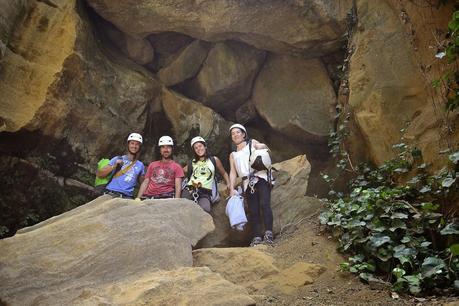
256,241
268,238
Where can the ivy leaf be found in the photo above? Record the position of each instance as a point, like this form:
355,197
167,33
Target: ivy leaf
357,258
454,249
429,206
405,239
414,282
440,55
447,182
425,189
454,157
432,266
384,254
450,229
399,215
378,240
398,272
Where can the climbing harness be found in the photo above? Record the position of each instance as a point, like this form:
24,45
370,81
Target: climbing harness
252,182
195,192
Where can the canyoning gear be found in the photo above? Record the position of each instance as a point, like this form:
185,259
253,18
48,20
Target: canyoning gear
203,171
165,141
125,179
236,213
256,241
239,126
101,182
197,139
136,137
260,160
268,238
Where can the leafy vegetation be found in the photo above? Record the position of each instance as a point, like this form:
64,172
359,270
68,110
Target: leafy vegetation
401,230
449,81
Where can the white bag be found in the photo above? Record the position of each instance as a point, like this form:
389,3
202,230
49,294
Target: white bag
235,212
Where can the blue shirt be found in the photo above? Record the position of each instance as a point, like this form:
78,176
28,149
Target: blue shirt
126,182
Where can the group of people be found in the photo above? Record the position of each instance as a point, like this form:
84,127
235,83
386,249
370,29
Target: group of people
163,178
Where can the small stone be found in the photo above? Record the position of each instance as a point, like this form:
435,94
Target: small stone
394,295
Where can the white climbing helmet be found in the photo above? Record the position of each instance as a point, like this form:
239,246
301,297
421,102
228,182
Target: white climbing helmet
260,160
136,137
197,139
239,126
165,141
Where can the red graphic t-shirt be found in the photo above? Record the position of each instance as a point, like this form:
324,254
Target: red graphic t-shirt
162,177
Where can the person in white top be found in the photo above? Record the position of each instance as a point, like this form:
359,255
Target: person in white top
259,194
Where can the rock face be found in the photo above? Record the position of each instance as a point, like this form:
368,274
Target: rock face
186,65
388,89
66,92
10,14
311,27
96,244
295,96
226,78
137,49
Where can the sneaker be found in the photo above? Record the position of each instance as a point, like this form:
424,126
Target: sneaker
268,238
256,241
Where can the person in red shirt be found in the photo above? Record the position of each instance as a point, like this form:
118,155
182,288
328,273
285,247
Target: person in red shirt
164,177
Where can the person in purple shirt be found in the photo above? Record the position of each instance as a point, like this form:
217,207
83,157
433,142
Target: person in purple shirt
127,170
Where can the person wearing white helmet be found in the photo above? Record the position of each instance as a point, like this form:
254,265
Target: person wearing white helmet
201,175
126,170
164,177
256,184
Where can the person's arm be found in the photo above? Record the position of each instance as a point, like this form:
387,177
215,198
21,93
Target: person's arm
143,187
258,145
101,173
140,179
178,187
232,176
223,172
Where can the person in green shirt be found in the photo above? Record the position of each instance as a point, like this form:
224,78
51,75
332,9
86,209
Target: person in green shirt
202,174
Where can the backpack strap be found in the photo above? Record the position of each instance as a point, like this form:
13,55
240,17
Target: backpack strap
123,171
189,169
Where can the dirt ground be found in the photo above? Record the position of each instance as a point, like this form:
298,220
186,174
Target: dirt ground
307,243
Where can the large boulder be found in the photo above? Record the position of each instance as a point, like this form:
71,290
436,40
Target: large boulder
104,241
295,96
182,286
138,49
226,78
312,27
186,65
79,93
289,202
168,46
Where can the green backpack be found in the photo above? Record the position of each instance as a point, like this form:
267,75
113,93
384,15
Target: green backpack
102,182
